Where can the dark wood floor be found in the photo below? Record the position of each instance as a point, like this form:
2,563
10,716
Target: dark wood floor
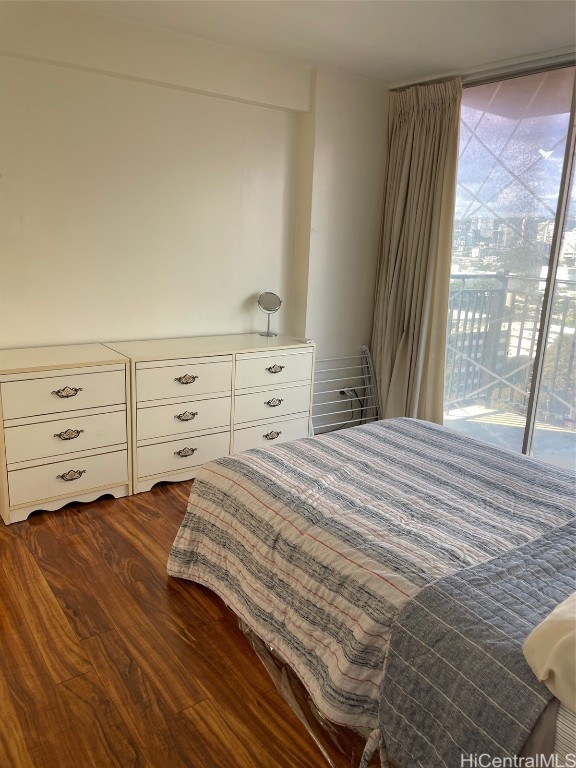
106,661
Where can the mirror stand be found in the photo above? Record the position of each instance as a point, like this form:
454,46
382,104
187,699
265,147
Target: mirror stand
269,303
268,332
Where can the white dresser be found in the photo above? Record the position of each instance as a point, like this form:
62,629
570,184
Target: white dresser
200,398
272,397
63,427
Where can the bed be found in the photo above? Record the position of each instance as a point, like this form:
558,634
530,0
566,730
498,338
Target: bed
327,547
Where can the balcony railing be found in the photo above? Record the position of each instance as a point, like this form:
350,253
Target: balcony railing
493,323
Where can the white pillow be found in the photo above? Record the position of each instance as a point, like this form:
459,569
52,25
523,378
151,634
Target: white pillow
550,650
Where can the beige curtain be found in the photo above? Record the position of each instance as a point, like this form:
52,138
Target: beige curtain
409,335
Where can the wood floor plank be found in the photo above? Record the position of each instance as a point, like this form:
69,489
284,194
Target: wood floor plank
165,532
161,666
231,644
68,582
28,694
246,717
177,609
143,708
153,645
94,510
111,593
205,727
171,596
58,644
171,500
233,698
219,681
65,523
13,738
143,539
344,747
102,736
286,742
141,507
153,542
119,554
197,598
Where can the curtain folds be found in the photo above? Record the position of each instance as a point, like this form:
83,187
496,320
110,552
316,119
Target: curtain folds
409,332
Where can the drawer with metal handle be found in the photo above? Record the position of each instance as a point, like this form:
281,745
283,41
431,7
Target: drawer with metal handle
269,434
185,380
63,478
271,403
272,370
175,455
65,435
190,416
59,394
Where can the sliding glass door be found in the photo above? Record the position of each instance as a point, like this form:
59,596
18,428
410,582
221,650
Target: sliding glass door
554,427
514,144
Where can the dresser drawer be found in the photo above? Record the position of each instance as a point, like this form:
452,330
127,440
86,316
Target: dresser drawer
67,435
29,485
269,434
271,403
58,394
272,369
163,457
190,416
186,380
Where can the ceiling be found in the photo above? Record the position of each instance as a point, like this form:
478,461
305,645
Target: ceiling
398,41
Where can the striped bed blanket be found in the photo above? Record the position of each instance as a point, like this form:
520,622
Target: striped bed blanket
317,544
456,681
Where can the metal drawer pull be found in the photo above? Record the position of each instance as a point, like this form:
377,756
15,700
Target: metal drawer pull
186,379
185,452
69,434
272,435
72,474
186,416
66,391
274,402
275,368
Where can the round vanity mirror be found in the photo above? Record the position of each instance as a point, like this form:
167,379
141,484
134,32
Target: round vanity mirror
269,303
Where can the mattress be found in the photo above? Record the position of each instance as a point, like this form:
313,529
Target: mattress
317,544
456,680
565,739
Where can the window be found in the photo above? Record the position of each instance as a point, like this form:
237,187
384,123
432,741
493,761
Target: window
513,149
556,395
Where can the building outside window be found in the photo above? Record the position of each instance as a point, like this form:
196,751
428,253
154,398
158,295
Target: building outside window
514,190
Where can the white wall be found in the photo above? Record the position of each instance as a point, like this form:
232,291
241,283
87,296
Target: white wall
346,209
133,211
71,36
152,184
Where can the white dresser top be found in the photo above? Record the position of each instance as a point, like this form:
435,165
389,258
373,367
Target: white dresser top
50,358
198,346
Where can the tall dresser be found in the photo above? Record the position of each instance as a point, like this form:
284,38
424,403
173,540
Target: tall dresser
197,399
64,427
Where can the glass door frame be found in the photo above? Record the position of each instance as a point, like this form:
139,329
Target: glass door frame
560,220
555,246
